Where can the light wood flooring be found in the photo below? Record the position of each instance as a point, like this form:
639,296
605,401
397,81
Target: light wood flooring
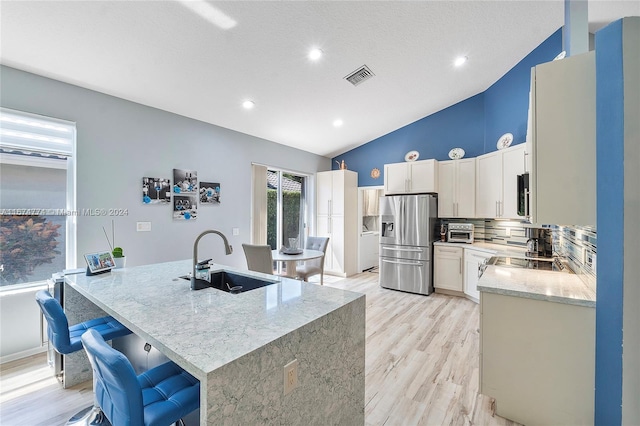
422,361
421,366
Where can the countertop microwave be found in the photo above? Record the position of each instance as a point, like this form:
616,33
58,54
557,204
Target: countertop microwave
460,233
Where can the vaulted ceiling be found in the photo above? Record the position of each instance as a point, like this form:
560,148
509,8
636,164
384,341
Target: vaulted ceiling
204,62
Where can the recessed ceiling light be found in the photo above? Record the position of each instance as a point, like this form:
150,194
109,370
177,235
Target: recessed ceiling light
460,60
337,123
315,54
248,104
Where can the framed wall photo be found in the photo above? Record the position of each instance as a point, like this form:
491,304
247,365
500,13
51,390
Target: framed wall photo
185,181
185,207
99,262
156,190
209,192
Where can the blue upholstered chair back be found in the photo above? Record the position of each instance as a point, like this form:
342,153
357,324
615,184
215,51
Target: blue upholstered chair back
117,389
57,324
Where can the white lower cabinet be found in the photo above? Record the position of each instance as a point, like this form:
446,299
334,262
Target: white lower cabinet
472,260
456,269
447,268
537,359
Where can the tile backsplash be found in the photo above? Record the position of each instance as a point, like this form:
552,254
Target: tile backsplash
576,244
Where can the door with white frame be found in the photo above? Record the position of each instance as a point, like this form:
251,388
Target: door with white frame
369,226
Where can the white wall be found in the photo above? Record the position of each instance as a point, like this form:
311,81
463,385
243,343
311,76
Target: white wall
20,308
119,142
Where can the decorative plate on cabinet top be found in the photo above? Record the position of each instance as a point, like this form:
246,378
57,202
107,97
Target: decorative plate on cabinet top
411,156
504,141
456,153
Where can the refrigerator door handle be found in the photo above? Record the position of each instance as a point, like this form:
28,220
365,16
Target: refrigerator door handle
401,249
398,262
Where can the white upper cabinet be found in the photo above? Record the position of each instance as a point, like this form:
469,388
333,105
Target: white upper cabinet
410,177
489,185
496,185
563,142
457,188
330,197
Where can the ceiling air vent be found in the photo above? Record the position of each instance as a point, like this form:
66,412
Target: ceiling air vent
358,76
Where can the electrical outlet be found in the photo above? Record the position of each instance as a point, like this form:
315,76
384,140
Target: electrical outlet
235,231
507,232
290,376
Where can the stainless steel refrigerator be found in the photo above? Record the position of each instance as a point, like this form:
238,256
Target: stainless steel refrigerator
406,242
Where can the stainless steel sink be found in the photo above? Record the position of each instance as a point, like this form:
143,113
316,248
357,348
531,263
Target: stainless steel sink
230,282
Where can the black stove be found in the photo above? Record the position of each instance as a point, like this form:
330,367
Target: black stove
540,263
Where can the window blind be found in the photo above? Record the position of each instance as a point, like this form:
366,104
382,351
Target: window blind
30,133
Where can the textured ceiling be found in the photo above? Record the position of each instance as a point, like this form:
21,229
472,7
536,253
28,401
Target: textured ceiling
162,54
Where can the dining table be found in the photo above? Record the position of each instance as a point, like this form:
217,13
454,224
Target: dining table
291,259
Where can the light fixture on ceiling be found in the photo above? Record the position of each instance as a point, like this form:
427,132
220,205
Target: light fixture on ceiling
315,54
460,60
210,13
248,104
337,123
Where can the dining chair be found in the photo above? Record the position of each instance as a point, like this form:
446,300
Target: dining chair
66,340
258,258
158,397
314,266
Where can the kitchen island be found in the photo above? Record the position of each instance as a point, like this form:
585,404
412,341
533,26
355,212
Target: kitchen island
238,344
537,345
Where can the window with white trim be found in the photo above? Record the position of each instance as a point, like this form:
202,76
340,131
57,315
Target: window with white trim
37,198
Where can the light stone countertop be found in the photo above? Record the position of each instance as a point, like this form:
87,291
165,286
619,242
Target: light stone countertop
206,329
551,286
559,287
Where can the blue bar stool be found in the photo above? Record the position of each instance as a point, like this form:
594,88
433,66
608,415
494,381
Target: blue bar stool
158,397
66,340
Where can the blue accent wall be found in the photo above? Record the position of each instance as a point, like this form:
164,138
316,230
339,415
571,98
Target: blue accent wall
460,125
610,223
506,102
474,124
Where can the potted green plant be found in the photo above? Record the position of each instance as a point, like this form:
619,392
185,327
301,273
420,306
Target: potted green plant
119,257
118,254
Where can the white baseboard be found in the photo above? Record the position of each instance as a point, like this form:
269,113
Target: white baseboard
22,354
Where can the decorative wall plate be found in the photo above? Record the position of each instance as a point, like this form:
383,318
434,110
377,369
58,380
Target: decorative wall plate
456,153
561,55
411,156
375,173
504,141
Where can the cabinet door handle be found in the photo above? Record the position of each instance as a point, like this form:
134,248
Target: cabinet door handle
328,225
460,262
525,161
496,209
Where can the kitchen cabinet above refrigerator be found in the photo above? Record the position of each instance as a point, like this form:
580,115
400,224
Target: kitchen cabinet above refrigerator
412,177
563,142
